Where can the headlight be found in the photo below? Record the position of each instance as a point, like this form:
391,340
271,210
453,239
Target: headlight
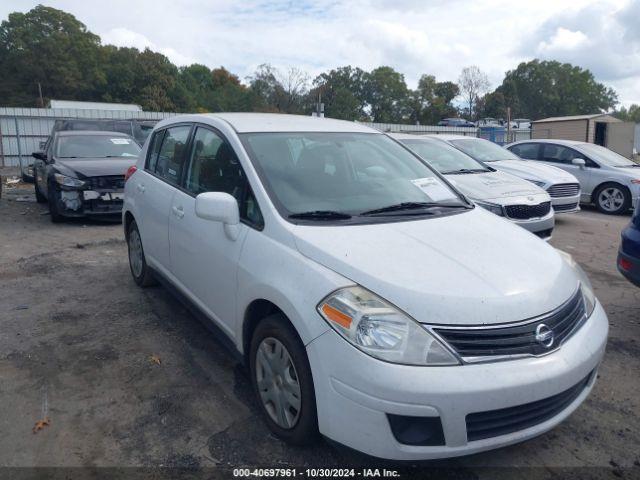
68,181
585,284
537,182
381,330
492,207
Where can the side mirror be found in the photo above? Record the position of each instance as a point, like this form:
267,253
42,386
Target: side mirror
39,156
579,162
220,207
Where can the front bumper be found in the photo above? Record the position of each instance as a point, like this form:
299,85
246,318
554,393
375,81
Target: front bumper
542,227
355,393
88,203
566,204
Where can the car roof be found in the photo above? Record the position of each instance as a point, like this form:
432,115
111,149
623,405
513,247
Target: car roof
273,122
78,133
569,143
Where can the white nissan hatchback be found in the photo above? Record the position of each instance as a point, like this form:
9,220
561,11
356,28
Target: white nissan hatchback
372,302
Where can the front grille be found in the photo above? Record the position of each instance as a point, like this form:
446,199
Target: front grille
564,190
476,344
524,212
493,423
566,207
113,182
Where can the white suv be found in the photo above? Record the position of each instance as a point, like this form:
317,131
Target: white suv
371,301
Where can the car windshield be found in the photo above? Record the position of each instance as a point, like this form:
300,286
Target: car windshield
483,150
343,175
606,156
96,146
444,158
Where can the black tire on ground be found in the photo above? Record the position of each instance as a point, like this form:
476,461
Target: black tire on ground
53,206
142,274
615,189
305,429
40,198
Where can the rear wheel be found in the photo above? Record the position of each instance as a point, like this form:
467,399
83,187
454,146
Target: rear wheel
140,271
282,381
612,199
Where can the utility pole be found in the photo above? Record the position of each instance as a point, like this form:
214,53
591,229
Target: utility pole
40,92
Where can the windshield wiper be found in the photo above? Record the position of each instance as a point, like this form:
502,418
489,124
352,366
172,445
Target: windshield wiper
412,206
320,215
465,170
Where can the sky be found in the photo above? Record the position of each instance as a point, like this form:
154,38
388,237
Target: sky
437,37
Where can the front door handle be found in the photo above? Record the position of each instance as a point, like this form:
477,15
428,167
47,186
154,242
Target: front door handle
140,187
178,212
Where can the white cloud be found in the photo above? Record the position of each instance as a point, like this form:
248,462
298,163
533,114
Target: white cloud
123,37
564,39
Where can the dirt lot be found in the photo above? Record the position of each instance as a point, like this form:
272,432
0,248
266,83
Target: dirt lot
128,378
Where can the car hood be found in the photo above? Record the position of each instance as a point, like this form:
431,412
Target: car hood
497,186
95,167
531,170
472,268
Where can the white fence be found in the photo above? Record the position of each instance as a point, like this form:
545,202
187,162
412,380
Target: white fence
22,129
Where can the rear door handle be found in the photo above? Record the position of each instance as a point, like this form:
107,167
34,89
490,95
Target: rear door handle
178,212
140,187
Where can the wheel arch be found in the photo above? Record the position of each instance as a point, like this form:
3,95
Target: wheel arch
256,311
601,185
128,218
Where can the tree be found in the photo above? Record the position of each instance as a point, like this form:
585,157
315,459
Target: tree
387,95
279,92
539,89
631,114
473,83
431,102
53,48
343,93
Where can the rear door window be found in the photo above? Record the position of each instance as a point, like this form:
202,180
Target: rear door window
528,151
557,153
172,154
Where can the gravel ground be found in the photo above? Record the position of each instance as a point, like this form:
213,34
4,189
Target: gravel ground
127,377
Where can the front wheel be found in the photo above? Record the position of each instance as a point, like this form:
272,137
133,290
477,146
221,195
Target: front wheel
40,198
282,381
612,199
53,206
140,271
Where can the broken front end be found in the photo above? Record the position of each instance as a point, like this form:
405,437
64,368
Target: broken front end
92,196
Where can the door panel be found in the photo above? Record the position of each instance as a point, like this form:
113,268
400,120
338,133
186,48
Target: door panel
561,157
205,260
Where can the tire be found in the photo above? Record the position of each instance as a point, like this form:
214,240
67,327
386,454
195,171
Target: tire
612,199
53,207
140,271
40,198
298,426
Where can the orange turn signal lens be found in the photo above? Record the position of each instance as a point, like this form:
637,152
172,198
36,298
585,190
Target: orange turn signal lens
336,316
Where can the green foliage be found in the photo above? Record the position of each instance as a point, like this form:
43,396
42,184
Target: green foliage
631,114
51,47
539,89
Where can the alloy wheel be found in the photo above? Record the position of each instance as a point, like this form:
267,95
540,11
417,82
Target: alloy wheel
611,199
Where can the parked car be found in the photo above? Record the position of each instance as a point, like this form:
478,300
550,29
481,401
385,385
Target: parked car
489,122
82,173
563,187
138,129
455,122
629,253
608,180
501,193
370,300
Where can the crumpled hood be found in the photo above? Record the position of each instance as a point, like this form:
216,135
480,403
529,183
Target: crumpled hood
95,167
532,170
496,185
471,268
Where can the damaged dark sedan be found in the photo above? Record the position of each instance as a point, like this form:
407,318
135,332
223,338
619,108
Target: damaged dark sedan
82,173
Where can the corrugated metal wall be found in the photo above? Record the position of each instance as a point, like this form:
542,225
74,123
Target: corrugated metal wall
22,129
